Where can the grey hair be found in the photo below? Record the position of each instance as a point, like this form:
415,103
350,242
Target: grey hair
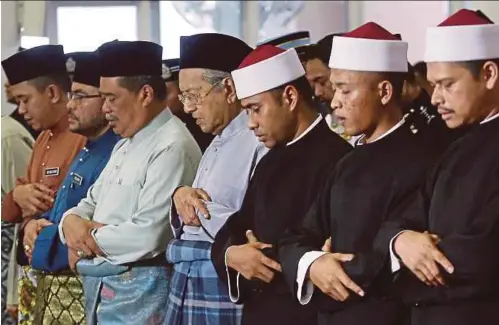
214,76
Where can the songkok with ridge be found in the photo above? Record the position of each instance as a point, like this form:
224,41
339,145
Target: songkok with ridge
85,67
35,62
289,41
266,68
171,68
212,51
465,36
369,48
127,59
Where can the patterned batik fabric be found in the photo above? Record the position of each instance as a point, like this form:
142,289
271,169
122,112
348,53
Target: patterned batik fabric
59,300
197,296
7,243
135,297
27,293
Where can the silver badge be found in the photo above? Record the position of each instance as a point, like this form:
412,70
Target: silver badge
167,73
70,65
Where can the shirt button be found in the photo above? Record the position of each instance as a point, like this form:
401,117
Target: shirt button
71,173
63,186
51,134
48,147
81,159
43,164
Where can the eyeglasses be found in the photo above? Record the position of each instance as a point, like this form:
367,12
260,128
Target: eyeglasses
196,99
79,97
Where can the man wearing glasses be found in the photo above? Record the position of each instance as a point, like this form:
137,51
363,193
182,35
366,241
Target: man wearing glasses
49,254
207,91
39,83
171,69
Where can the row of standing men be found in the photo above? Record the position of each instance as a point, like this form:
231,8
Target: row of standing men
280,220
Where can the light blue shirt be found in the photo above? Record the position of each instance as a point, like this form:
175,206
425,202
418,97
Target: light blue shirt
132,196
224,173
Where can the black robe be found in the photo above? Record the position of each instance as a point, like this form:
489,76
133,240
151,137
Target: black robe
364,189
459,203
427,119
283,187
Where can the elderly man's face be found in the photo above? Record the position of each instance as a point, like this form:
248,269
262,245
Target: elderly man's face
209,104
459,96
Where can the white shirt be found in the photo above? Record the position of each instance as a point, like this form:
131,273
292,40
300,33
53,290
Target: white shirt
132,196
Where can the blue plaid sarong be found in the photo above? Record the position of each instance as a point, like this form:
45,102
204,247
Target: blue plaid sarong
197,296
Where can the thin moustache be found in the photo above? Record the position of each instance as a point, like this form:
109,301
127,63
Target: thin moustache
443,110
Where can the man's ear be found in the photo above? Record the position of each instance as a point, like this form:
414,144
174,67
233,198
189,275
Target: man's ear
290,97
146,95
385,89
55,93
490,72
230,90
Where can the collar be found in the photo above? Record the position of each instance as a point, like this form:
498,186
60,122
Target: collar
160,120
106,137
237,124
490,118
61,126
317,120
360,141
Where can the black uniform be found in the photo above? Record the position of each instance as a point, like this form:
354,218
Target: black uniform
362,193
282,189
460,203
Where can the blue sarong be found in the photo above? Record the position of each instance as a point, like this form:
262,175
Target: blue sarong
197,296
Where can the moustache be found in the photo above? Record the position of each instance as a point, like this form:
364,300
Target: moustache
111,117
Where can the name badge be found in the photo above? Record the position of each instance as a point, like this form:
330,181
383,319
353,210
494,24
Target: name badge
53,171
77,179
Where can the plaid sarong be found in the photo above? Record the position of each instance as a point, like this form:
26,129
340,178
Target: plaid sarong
197,296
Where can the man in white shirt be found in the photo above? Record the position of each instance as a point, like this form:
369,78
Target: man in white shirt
120,230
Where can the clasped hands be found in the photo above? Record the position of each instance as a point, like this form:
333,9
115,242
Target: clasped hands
79,240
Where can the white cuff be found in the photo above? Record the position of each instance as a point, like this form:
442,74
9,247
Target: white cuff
304,296
233,297
61,232
393,258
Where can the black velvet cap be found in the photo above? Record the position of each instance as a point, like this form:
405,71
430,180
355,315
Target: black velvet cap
85,67
171,67
212,51
35,62
288,41
126,59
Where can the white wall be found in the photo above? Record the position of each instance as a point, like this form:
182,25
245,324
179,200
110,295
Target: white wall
409,18
10,43
490,8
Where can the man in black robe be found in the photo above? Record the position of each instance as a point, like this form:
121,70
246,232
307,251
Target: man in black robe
448,239
271,85
387,165
171,68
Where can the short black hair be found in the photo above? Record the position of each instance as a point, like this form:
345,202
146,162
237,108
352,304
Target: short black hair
397,80
310,52
475,66
420,67
303,87
61,80
135,83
